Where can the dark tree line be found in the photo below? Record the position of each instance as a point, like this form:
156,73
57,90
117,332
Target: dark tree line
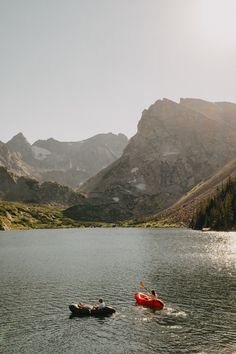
219,211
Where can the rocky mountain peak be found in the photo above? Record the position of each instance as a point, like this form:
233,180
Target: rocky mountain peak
69,163
177,145
18,139
20,145
210,109
165,117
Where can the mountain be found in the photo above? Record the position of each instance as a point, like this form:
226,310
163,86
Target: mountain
72,163
68,163
20,145
218,111
177,145
28,190
13,161
183,210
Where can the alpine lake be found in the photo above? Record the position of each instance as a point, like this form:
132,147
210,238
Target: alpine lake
44,271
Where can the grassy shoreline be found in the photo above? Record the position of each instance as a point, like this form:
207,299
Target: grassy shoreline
22,216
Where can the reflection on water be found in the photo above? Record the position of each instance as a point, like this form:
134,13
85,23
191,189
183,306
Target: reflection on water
42,272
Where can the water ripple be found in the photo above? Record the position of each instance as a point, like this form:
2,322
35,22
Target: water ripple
43,272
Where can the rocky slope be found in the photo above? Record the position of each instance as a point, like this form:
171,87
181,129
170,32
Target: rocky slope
22,147
13,162
182,211
176,147
68,163
72,163
28,190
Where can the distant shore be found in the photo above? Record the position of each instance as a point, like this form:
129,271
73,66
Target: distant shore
24,216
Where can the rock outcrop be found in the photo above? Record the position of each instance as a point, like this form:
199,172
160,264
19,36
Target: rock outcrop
20,145
13,161
181,213
28,190
176,147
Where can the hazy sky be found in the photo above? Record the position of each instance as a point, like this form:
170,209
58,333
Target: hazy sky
74,68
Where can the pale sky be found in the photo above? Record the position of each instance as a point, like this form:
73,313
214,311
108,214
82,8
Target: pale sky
71,69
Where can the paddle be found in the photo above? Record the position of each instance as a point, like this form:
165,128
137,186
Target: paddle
141,284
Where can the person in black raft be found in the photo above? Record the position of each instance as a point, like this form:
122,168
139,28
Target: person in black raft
99,309
101,305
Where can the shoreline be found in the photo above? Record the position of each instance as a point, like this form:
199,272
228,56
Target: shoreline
22,216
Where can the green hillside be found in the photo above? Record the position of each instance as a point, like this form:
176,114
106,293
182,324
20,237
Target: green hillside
21,216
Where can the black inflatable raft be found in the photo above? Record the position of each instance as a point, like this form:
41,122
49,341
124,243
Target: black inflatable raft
88,310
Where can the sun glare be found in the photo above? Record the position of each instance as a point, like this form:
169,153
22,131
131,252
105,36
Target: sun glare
215,20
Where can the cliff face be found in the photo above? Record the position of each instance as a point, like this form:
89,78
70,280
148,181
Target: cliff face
181,213
22,147
176,147
13,161
68,163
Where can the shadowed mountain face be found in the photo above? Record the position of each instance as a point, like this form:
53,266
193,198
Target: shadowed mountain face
183,210
68,163
28,190
176,147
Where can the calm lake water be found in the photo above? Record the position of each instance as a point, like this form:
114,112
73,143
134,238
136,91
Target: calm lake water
44,271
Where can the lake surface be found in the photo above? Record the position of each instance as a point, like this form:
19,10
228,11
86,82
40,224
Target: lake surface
43,271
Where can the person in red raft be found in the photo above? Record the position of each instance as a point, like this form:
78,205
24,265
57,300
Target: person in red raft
153,295
150,300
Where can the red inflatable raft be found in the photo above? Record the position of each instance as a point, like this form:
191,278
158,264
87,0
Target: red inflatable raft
145,300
